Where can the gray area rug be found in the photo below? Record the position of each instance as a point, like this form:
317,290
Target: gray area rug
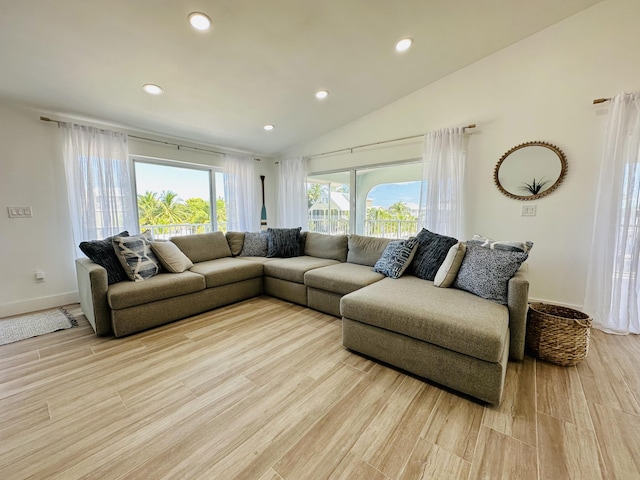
34,324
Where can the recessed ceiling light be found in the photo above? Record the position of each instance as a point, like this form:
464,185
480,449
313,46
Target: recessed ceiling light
321,94
199,21
404,44
152,89
268,127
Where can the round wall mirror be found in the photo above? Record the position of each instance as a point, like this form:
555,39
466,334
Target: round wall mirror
530,170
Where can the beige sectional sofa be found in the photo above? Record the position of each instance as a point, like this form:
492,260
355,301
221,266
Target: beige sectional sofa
448,335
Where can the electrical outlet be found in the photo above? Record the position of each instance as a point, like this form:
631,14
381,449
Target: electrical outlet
19,212
528,211
39,276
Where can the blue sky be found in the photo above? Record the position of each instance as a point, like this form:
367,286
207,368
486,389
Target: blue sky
389,193
186,182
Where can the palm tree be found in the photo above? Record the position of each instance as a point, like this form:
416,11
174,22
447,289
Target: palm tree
148,208
400,211
171,208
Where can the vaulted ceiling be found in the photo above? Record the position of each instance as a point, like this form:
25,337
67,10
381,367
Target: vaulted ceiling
260,63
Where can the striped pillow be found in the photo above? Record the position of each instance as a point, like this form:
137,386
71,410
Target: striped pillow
396,257
136,256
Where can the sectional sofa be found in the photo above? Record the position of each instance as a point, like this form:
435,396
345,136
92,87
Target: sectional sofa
448,335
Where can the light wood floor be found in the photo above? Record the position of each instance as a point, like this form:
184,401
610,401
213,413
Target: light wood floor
264,390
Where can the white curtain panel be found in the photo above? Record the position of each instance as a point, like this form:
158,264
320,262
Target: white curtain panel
442,191
611,296
292,194
100,192
241,193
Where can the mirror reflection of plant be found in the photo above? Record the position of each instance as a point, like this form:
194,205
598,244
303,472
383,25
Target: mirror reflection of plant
534,187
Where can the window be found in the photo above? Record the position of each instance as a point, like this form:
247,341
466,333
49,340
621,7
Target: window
377,201
329,203
176,200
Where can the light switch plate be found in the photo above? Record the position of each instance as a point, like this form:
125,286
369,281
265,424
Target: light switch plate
19,212
528,211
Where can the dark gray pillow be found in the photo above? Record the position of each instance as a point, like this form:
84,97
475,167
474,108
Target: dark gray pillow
396,257
284,242
432,250
509,245
255,244
486,272
102,253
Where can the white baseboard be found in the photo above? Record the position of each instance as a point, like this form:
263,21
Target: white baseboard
35,304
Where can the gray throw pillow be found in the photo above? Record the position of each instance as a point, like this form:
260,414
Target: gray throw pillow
432,250
102,253
136,256
255,244
509,245
284,242
486,272
396,257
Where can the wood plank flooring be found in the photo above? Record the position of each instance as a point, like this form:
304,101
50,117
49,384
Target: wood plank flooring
264,390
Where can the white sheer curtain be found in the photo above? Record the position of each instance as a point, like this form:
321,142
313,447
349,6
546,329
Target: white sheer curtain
612,294
241,193
97,167
442,191
292,194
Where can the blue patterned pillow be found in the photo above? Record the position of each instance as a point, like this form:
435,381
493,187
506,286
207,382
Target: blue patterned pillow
486,272
284,242
102,253
136,256
255,244
432,250
396,257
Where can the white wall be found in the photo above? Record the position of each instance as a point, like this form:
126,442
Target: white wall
32,174
538,89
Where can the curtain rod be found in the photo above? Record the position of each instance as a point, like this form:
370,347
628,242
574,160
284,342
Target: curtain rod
601,100
351,149
177,145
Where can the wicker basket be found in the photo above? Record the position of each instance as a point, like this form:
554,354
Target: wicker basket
557,334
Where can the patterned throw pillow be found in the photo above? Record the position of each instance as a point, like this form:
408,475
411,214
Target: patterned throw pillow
136,256
486,272
432,250
396,257
508,245
102,253
284,242
255,244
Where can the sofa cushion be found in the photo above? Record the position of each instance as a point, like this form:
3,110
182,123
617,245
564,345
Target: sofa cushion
450,318
366,250
171,257
486,272
136,256
448,271
293,269
203,247
235,241
256,244
227,270
160,287
342,278
102,253
396,257
284,242
322,245
432,250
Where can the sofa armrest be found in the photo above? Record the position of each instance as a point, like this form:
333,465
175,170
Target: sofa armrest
92,287
518,304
